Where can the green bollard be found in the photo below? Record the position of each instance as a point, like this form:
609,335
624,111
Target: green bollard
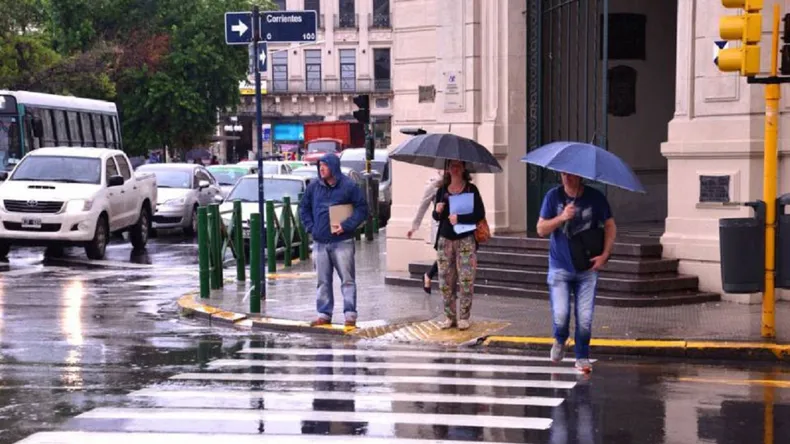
238,241
255,263
213,209
212,240
271,238
203,254
302,236
287,230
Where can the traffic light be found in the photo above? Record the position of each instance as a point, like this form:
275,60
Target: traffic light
363,113
747,28
785,67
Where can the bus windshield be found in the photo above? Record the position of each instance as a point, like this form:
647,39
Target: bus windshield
10,145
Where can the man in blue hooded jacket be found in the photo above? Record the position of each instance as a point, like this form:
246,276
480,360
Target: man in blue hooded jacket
333,247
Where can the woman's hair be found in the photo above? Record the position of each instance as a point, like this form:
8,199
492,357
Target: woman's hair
446,180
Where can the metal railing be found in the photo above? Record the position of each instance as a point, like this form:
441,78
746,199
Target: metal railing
285,237
330,86
346,21
377,20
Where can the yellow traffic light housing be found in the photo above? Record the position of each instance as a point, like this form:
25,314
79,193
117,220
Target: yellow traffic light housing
748,29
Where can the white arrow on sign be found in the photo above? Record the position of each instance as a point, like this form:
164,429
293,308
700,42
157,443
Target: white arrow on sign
241,28
262,57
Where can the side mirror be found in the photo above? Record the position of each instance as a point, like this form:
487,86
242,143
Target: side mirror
203,184
3,175
115,181
38,127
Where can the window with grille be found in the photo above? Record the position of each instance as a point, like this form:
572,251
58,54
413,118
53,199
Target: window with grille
280,71
312,60
348,70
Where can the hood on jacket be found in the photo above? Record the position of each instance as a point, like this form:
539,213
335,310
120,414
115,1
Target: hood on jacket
333,162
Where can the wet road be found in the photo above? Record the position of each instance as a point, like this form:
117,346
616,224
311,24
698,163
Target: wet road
92,349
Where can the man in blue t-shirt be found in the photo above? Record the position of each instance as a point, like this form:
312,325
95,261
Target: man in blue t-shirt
568,210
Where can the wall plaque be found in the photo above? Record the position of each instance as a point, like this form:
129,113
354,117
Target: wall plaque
427,94
714,189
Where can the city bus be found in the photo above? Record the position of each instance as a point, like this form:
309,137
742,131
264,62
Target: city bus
30,120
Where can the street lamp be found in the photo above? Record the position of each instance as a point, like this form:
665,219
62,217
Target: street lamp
234,128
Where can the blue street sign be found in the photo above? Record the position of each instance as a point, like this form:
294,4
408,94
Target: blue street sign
288,26
238,28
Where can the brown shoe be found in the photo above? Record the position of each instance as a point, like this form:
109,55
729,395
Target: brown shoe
351,324
320,321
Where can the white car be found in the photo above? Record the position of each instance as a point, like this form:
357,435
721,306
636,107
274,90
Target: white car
275,187
183,187
269,166
63,196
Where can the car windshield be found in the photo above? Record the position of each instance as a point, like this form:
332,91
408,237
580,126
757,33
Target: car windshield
59,169
246,189
268,168
167,178
306,172
228,176
359,166
322,147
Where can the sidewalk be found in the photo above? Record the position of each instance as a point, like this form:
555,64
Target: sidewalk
403,313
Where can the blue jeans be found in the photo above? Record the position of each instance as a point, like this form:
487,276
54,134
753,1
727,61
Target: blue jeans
337,256
582,284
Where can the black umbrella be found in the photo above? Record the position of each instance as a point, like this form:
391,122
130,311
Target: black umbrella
434,150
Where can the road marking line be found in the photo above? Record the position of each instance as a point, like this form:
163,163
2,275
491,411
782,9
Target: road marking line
396,354
213,438
394,366
373,379
253,395
188,415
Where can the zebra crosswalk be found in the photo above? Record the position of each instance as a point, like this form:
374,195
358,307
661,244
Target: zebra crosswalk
338,394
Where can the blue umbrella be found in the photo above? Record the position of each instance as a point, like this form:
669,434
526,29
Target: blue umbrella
585,160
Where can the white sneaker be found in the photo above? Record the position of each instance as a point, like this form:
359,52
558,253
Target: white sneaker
463,324
447,324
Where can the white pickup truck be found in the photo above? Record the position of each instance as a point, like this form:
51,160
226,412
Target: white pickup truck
63,196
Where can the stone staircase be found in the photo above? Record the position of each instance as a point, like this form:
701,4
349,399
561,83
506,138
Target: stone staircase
636,275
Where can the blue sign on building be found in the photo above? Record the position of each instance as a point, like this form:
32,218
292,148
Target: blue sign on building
289,132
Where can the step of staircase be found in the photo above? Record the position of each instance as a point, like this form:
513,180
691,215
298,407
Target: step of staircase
541,292
635,276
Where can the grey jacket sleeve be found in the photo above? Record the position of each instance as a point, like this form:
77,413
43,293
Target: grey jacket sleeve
427,199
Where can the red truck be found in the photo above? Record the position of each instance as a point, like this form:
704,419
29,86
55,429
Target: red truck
331,137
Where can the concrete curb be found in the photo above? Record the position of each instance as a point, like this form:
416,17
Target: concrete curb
726,350
191,306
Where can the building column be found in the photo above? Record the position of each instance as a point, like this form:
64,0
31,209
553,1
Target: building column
715,137
474,58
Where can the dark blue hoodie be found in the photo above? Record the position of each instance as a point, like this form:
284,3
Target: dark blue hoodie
319,196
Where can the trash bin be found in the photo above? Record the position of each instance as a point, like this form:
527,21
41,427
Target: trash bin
782,243
742,251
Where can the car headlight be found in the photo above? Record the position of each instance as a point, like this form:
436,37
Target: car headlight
79,205
179,201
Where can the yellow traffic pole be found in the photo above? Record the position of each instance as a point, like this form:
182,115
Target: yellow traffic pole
770,160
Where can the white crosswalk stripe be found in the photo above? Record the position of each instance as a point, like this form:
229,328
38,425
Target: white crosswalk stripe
349,395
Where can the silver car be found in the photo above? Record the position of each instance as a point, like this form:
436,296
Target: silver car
381,165
181,188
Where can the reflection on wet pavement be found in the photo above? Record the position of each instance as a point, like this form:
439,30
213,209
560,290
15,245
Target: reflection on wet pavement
95,353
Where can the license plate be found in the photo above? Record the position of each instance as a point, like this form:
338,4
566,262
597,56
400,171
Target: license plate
29,222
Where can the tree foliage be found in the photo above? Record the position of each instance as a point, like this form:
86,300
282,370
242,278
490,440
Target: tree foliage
164,62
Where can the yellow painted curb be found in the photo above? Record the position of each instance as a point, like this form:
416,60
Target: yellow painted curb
781,351
776,383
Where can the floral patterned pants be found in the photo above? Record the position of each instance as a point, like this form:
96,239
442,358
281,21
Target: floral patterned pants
457,261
